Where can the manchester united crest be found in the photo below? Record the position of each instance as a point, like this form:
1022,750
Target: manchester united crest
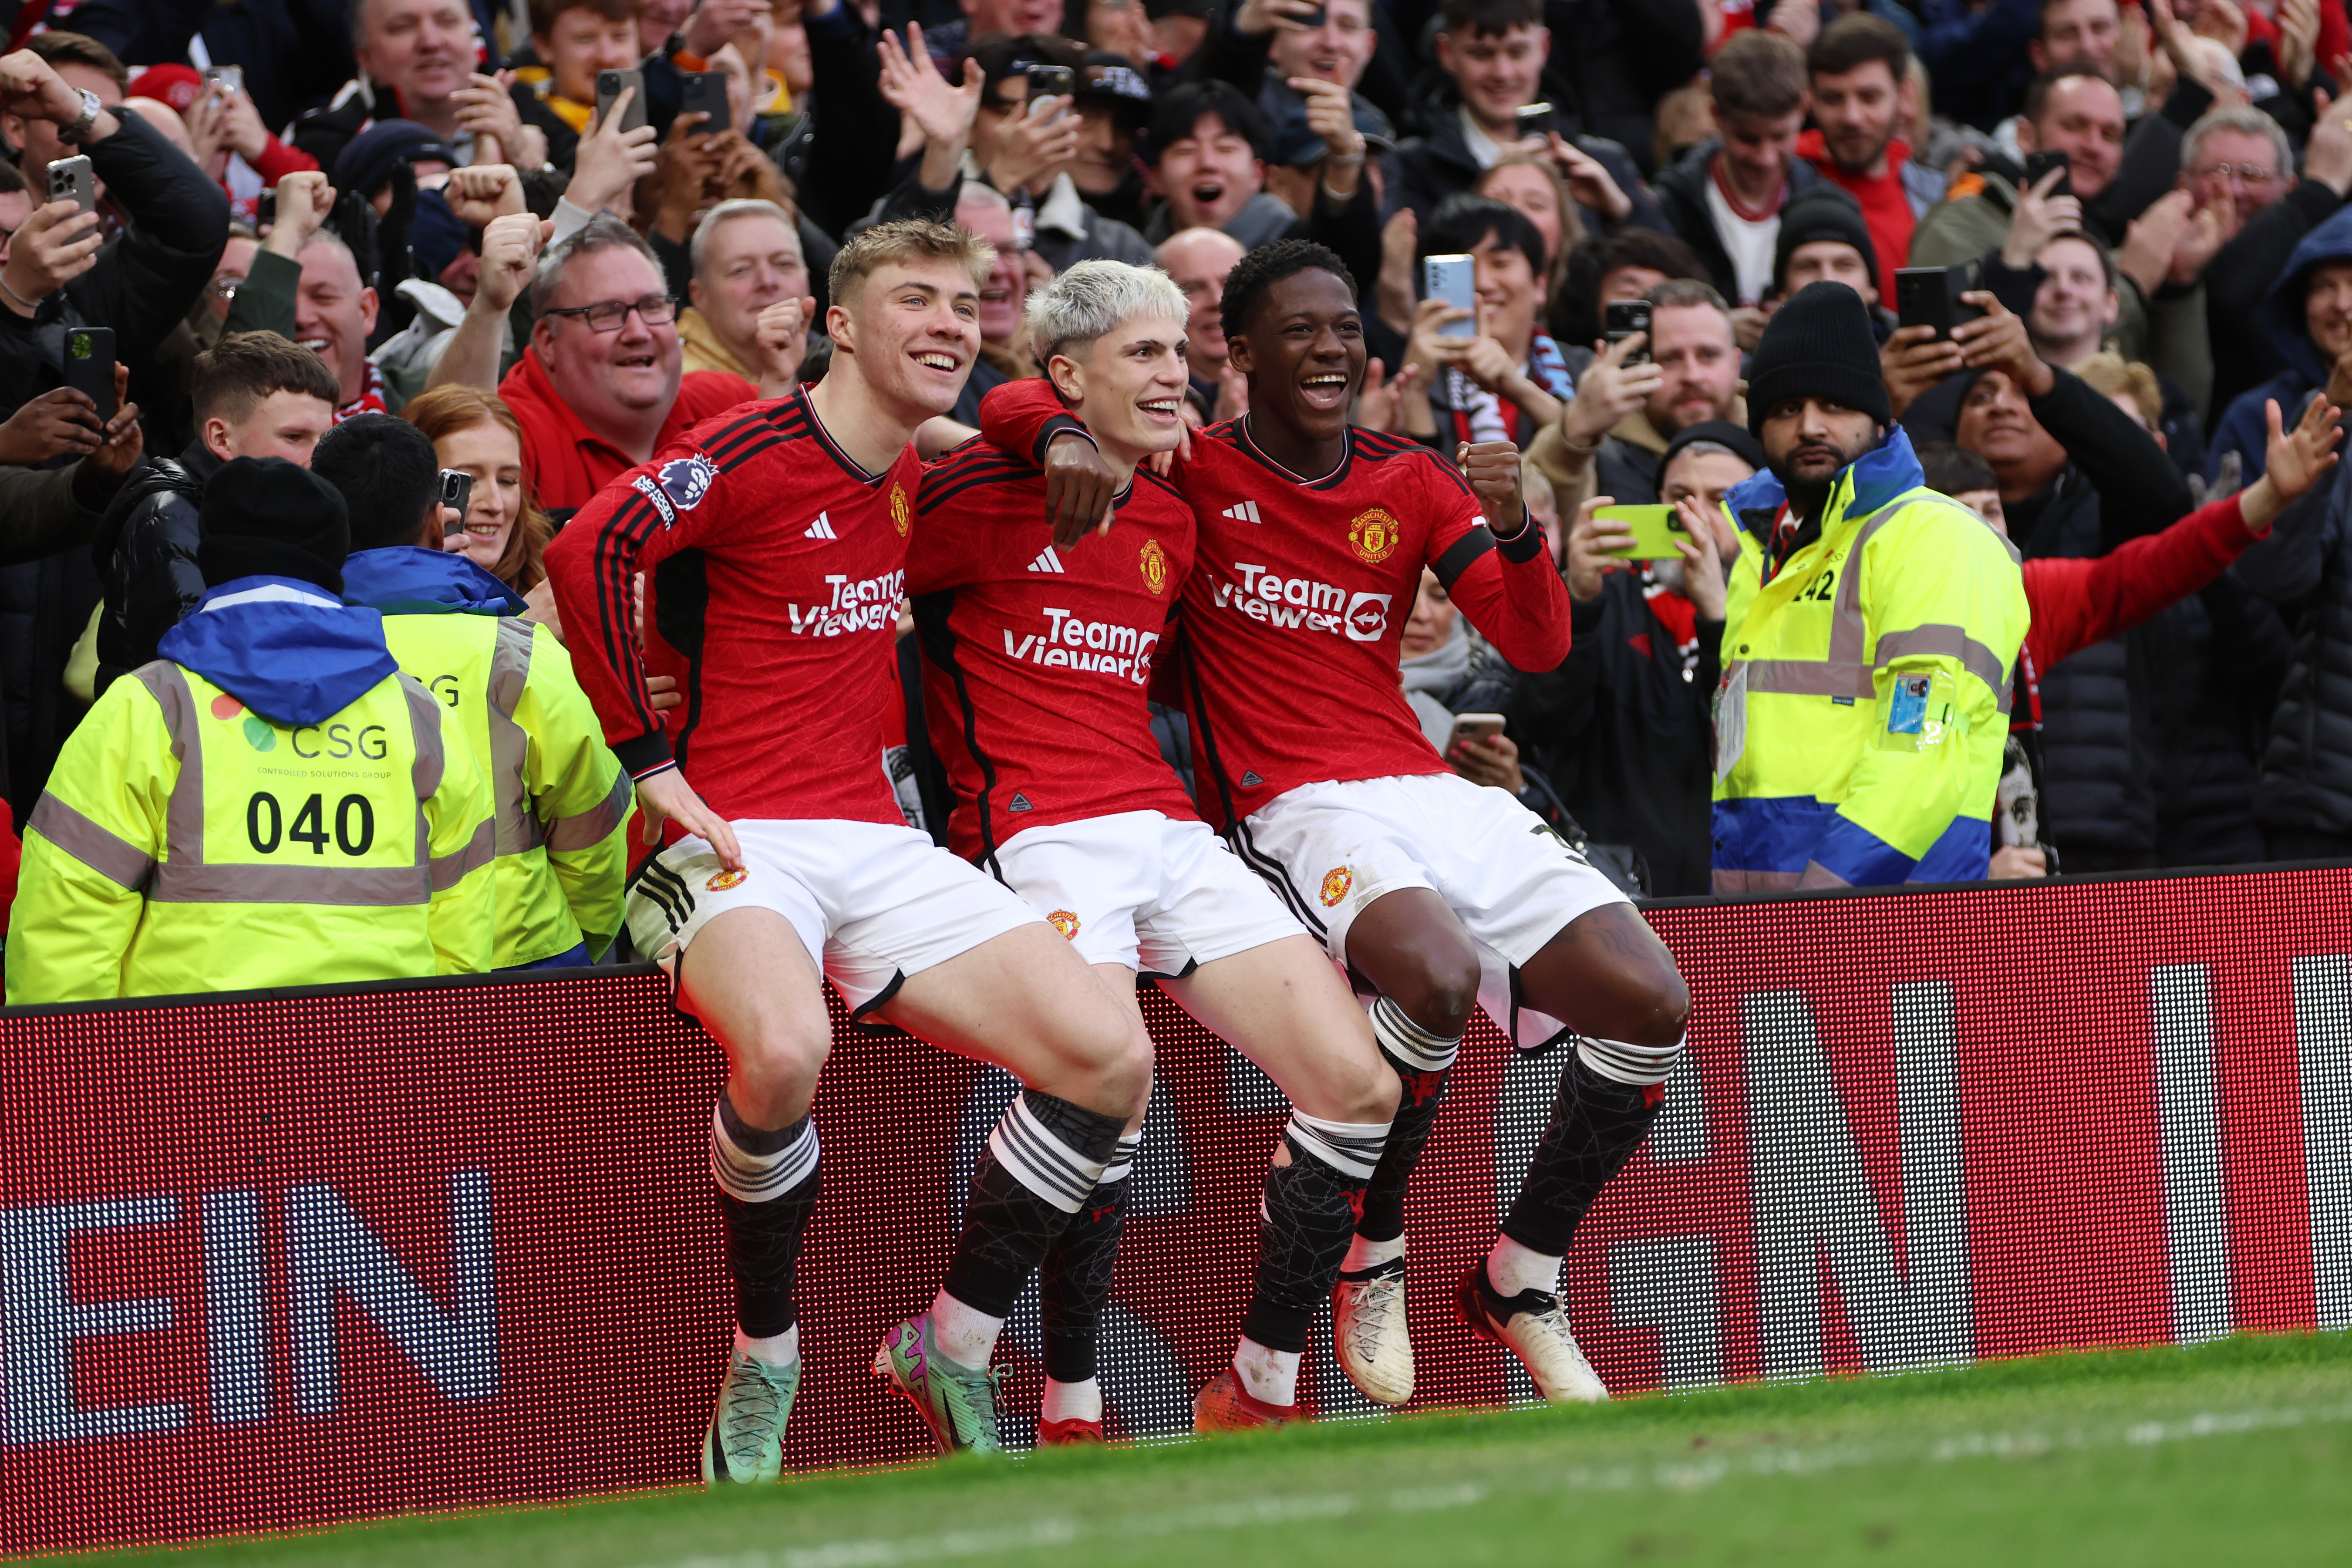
1155,565
726,879
1372,535
898,508
1336,883
1065,923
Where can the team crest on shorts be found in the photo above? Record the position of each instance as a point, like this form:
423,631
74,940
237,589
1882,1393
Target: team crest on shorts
1065,923
1155,565
726,879
898,508
1336,883
1373,534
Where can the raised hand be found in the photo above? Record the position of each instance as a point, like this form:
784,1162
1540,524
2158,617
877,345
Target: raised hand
481,193
52,247
486,108
1493,469
2039,218
610,160
911,83
1591,541
1608,390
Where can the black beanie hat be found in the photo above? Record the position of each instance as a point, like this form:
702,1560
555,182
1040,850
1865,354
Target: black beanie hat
264,517
1717,433
1824,212
1818,344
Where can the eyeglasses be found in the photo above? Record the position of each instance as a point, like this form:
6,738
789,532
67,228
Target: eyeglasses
2243,174
606,315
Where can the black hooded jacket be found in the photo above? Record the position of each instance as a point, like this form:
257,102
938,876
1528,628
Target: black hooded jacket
145,554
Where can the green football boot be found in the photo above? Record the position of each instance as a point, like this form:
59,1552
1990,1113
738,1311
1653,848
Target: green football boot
956,1403
745,1442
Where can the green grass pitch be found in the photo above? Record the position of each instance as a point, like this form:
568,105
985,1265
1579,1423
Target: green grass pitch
2236,1452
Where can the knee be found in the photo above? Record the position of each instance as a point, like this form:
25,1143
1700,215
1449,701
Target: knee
780,1061
1661,1009
1122,1076
1440,991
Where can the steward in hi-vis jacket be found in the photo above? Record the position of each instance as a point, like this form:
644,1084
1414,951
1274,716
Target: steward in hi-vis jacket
563,800
1867,643
271,802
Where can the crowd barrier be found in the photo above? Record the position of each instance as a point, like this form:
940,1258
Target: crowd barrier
281,1258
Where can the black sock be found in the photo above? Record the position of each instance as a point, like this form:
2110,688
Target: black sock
1310,1213
1041,1162
1422,1061
766,1190
1596,1124
1074,1284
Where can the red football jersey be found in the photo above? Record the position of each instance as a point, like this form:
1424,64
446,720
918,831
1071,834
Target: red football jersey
1035,659
778,564
1299,593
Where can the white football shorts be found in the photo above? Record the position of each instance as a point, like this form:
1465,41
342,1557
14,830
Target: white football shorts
1331,849
873,902
1146,890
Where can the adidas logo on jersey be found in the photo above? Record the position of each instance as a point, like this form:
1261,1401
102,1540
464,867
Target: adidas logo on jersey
1250,779
821,529
1019,803
1244,511
1048,562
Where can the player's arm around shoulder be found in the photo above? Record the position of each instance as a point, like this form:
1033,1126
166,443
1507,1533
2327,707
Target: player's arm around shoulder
578,790
461,830
90,846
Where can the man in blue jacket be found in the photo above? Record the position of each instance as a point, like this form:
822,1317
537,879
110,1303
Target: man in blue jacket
2308,313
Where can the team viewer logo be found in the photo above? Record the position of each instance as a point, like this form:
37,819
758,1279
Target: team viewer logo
1372,535
1155,565
899,510
726,879
1336,883
1065,923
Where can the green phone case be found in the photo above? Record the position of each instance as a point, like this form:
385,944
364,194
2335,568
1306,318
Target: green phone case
1656,531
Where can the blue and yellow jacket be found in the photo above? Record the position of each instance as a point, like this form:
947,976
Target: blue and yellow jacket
507,686
1864,702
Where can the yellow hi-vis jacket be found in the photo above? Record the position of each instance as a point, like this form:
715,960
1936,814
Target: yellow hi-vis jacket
1864,710
563,800
187,843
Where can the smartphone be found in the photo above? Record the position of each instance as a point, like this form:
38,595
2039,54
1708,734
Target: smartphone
1535,120
1622,320
89,365
1656,531
228,78
1049,82
608,88
1314,18
1930,297
265,208
70,181
706,91
457,493
1473,726
2038,164
1455,279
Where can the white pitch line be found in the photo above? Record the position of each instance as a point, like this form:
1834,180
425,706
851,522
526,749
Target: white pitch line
1680,1475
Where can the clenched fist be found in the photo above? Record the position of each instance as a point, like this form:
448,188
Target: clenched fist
1493,469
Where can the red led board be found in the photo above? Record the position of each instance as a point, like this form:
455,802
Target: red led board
285,1258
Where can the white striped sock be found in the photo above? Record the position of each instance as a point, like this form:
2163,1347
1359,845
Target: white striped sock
1622,1063
759,1178
1408,1041
1351,1148
1041,1161
1122,1159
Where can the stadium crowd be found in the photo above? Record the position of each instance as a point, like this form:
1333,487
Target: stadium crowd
445,439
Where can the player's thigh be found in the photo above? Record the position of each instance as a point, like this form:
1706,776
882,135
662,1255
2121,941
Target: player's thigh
1409,946
1023,1001
1283,1007
1607,974
748,977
